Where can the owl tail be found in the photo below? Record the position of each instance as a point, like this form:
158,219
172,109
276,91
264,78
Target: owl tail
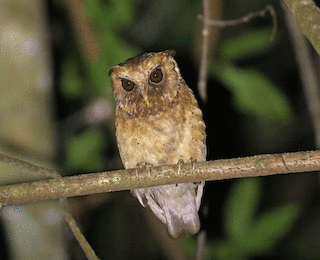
181,216
175,205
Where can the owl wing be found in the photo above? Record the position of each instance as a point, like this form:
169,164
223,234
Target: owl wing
145,198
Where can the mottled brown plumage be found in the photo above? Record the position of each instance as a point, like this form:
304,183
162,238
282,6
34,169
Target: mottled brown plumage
158,121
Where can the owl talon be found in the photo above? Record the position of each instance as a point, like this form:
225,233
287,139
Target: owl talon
193,161
179,163
146,166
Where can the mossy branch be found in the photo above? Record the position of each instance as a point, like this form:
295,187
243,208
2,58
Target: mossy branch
253,166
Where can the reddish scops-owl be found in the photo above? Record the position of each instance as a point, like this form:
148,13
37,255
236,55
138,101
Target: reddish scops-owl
158,121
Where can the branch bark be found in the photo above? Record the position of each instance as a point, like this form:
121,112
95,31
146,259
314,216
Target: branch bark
307,16
308,73
253,166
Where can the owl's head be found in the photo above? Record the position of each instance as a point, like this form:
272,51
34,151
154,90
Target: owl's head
147,84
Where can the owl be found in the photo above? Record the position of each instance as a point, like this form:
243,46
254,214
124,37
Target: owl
158,122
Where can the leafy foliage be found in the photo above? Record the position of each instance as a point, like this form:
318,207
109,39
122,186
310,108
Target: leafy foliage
249,234
83,79
253,92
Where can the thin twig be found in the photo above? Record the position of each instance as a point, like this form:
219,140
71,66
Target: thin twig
244,19
253,166
87,249
201,240
203,70
35,169
202,82
308,74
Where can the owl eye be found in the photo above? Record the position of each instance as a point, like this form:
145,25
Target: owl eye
156,76
128,85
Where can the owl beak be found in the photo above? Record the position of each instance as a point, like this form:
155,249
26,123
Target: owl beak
146,100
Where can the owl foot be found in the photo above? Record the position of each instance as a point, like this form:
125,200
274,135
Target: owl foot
179,163
200,184
193,161
146,166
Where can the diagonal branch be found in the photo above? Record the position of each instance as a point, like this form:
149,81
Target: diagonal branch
308,73
38,170
307,16
253,166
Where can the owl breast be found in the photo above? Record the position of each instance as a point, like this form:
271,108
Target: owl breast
164,138
176,132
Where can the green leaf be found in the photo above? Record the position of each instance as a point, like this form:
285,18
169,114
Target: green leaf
223,250
241,207
189,244
270,227
109,19
247,44
247,233
254,93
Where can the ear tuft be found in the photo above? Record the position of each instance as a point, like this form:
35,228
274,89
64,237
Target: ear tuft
170,52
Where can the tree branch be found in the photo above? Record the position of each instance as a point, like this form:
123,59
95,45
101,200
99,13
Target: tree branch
308,72
253,166
244,19
307,16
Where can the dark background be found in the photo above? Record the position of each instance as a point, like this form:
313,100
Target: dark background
231,131
262,111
